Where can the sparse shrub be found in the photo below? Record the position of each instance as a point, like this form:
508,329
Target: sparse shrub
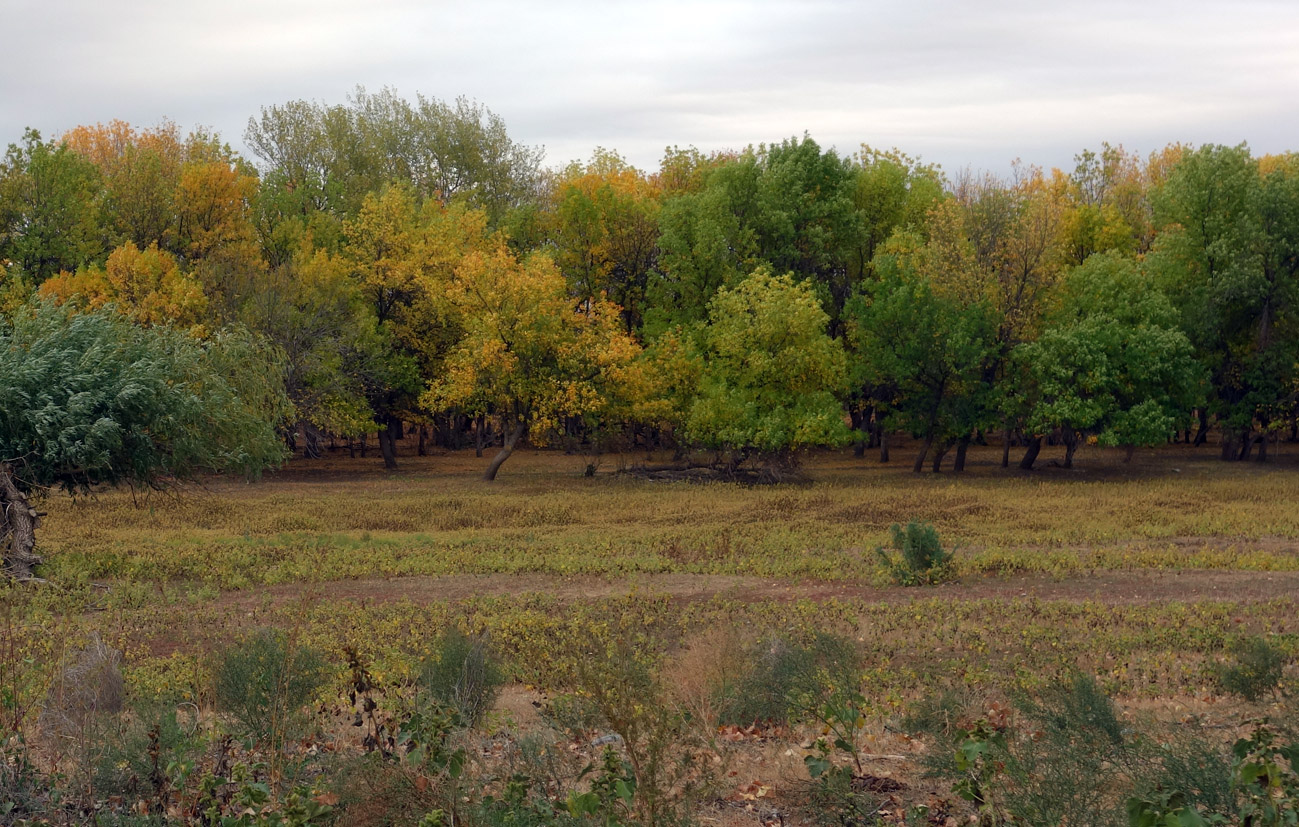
788,679
132,764
918,557
1256,669
668,751
1062,758
263,682
89,685
465,676
1188,771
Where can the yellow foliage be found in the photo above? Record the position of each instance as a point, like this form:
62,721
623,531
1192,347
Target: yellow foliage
146,285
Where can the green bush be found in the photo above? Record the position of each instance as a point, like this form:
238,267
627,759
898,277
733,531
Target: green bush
1256,670
1053,759
133,761
464,677
788,679
918,557
263,682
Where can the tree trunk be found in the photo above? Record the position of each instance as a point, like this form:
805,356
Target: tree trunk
1202,432
884,446
1262,448
310,441
859,425
1030,456
1070,439
1005,448
961,448
1246,445
507,447
387,442
1129,450
924,451
480,424
365,445
422,448
18,524
943,448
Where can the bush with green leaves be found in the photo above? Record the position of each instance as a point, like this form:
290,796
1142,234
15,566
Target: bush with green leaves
1256,669
263,683
1061,758
918,557
465,676
787,679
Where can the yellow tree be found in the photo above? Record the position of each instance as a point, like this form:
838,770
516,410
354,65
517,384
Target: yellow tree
528,355
604,222
146,285
140,169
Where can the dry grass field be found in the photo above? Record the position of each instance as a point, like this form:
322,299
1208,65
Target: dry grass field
1143,575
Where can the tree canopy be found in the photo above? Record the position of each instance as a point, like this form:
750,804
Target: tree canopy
91,399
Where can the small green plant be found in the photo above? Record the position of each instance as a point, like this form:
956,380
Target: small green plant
612,793
1256,669
918,558
1267,779
464,676
263,683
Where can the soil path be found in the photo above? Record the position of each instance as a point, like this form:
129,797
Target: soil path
1112,588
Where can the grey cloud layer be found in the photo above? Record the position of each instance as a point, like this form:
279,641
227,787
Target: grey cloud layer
958,82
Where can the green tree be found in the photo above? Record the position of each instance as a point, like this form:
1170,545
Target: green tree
920,352
49,209
89,399
1112,363
336,155
770,377
1228,256
788,207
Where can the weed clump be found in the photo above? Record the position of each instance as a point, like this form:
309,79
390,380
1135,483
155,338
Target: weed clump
787,678
264,682
464,677
1256,670
918,558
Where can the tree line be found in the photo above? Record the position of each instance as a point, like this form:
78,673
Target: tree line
409,269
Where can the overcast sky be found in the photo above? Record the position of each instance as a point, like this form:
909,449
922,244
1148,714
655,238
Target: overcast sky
958,83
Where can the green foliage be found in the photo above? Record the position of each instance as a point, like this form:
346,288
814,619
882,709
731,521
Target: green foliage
920,559
1256,668
50,210
771,376
1226,256
263,683
786,207
789,680
464,676
89,398
920,354
1113,362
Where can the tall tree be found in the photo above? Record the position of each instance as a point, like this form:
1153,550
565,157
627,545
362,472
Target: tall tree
1228,256
89,399
770,375
1112,363
528,356
49,209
